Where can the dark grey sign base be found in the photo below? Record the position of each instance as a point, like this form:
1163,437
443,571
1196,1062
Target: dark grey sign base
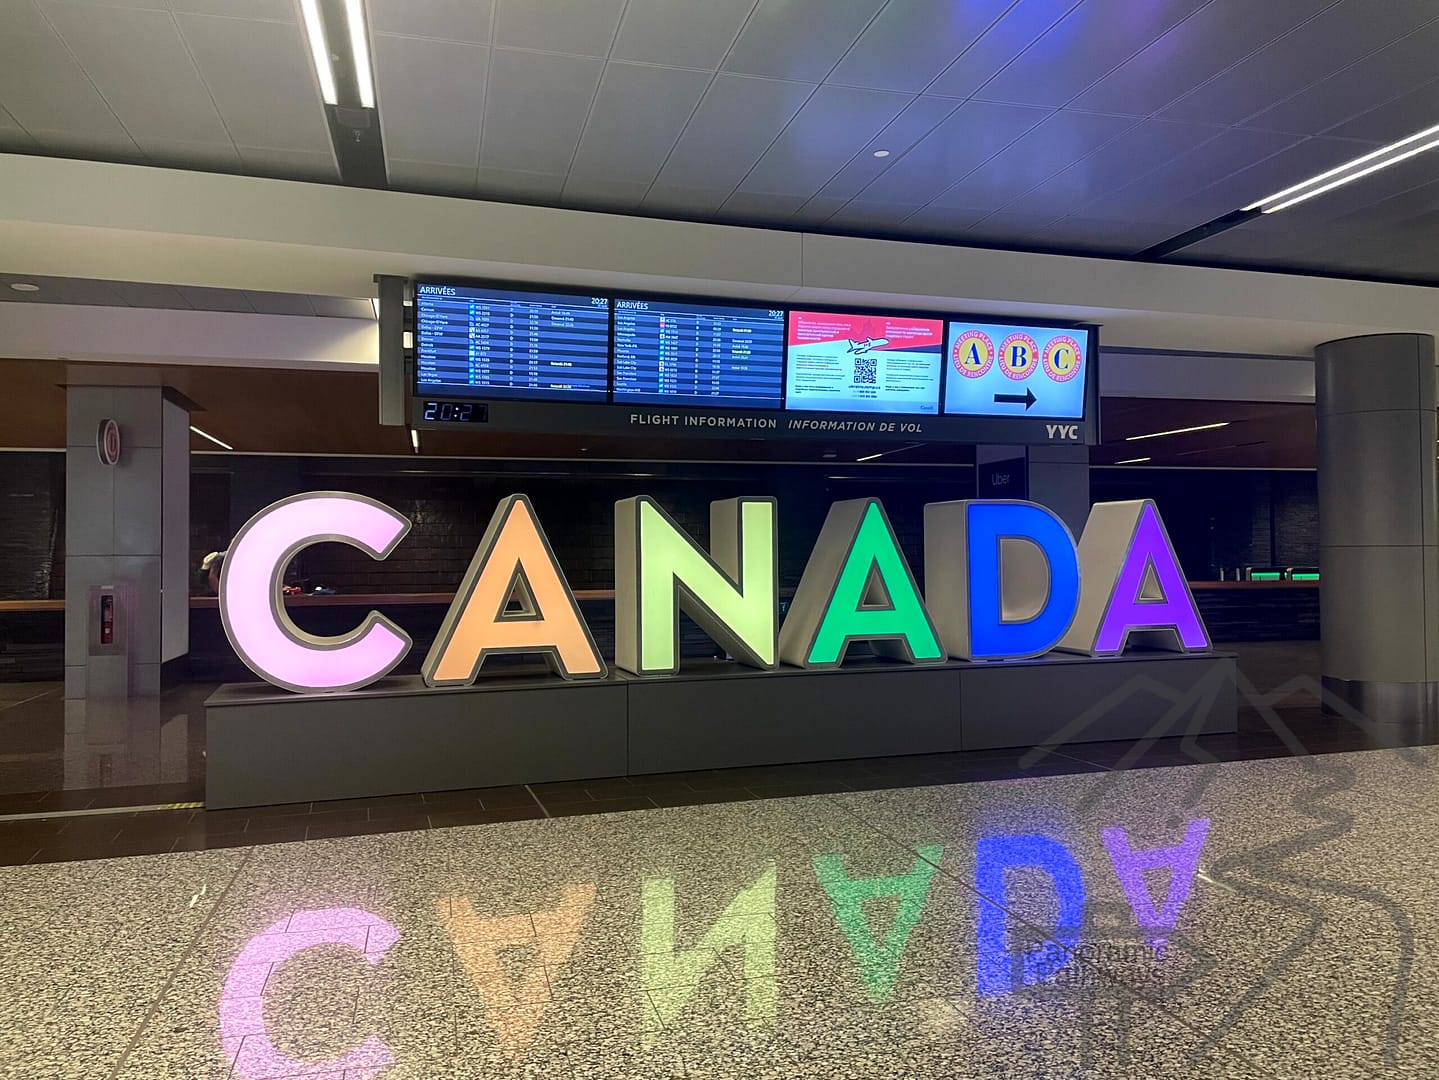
270,746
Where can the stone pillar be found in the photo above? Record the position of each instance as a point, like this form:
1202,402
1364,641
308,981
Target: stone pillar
127,526
1378,542
1053,476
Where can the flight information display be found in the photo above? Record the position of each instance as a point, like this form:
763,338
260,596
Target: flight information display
672,353
495,343
863,363
1037,371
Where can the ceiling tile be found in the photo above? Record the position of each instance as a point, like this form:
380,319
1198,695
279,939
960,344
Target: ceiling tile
684,201
1395,119
516,185
735,123
917,120
909,44
1235,149
1332,40
1392,72
761,207
559,26
204,299
972,134
833,126
275,303
141,67
1083,47
590,192
970,227
290,164
43,87
102,146
431,96
1218,35
178,153
1147,146
680,35
144,295
817,211
535,110
271,10
431,178
1063,139
788,40
871,216
1108,235
260,76
637,118
464,21
1021,25
12,136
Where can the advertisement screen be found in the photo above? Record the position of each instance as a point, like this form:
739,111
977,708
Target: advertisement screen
493,343
1015,371
671,353
863,363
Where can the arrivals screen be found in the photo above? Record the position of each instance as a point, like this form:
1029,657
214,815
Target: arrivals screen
493,343
863,363
1036,371
672,353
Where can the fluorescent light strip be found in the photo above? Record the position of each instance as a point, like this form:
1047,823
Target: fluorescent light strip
360,52
319,50
415,439
1354,176
1132,461
206,435
886,453
1177,431
1268,204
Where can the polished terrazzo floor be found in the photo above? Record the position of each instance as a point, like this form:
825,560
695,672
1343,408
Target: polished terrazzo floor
1270,918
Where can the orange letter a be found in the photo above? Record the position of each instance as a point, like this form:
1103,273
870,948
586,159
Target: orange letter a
514,562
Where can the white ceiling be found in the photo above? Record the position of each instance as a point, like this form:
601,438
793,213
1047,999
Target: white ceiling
1099,126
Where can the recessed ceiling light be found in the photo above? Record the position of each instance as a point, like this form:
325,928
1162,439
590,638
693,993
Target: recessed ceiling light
1178,431
881,153
24,286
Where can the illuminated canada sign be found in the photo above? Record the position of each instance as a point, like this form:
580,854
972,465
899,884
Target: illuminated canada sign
1005,581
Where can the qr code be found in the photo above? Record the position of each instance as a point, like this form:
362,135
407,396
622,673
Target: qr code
864,370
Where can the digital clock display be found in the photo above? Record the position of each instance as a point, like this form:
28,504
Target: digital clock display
455,412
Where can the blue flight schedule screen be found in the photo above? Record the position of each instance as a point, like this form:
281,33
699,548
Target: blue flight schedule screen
494,343
671,353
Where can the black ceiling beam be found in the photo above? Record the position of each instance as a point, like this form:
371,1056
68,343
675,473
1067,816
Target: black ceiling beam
1198,233
354,130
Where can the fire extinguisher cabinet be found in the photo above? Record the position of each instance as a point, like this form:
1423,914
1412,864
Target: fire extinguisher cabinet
108,660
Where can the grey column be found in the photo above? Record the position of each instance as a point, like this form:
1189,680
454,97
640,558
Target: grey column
127,526
1378,542
1053,476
